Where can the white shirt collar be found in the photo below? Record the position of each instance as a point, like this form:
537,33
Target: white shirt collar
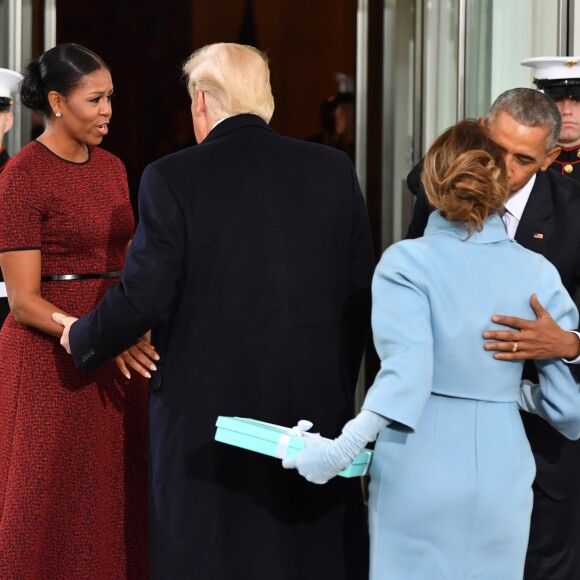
217,123
516,202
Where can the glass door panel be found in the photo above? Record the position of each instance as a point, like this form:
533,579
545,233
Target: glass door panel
26,26
498,39
440,67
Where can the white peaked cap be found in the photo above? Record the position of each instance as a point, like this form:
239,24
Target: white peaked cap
345,83
554,67
9,80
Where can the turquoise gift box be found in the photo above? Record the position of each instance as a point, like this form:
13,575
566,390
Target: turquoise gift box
277,441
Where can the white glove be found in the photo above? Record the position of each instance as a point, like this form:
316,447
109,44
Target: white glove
322,459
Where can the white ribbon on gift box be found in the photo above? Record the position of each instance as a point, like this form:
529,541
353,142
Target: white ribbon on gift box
298,430
285,438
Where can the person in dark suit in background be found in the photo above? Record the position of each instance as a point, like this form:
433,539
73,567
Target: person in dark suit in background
9,80
543,213
252,263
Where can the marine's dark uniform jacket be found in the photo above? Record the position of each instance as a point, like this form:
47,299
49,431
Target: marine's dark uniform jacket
568,162
4,309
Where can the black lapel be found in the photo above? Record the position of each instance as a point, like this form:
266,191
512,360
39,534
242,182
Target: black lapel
537,223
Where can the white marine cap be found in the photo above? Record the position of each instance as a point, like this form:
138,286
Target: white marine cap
557,76
9,80
345,83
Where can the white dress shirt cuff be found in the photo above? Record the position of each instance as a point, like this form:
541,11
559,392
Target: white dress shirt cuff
574,361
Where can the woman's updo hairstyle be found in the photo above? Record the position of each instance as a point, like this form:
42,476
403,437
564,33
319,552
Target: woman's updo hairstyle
59,69
464,175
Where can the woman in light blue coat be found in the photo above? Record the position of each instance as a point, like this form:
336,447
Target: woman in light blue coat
451,477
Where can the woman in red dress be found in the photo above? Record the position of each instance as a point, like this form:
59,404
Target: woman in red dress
72,445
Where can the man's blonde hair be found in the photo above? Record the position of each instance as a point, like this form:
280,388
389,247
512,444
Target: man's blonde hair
235,79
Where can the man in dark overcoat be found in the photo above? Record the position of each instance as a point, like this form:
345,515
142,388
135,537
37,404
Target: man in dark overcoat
543,216
252,263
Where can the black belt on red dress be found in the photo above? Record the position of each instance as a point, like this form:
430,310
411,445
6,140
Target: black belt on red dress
92,275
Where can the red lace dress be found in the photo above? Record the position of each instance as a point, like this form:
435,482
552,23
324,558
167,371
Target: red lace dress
72,444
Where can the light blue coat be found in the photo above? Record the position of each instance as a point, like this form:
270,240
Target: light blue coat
451,477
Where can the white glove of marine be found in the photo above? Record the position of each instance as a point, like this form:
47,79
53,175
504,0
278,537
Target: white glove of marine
322,458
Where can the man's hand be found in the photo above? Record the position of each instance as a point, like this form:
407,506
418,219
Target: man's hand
67,322
539,339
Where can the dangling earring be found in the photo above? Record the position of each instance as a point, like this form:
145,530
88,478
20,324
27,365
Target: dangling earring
58,114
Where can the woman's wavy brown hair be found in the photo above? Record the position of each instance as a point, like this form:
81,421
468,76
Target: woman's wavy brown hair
464,175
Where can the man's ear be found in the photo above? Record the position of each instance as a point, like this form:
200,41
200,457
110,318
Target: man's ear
200,103
9,121
550,158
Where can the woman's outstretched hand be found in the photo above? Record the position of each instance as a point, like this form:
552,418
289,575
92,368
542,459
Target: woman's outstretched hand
140,357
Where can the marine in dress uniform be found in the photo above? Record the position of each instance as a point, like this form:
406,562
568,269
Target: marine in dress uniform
559,78
9,80
568,162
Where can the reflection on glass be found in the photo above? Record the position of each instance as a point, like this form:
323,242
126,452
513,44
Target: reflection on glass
4,34
499,36
440,67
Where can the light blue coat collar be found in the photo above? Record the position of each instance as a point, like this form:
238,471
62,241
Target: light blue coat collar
493,229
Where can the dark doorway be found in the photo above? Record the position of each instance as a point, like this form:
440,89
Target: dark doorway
145,44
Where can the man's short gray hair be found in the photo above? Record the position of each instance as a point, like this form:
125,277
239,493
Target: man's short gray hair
531,108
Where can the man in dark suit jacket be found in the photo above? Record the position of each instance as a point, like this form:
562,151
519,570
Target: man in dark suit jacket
526,124
252,263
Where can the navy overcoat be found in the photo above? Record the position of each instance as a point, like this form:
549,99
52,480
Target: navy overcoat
252,263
